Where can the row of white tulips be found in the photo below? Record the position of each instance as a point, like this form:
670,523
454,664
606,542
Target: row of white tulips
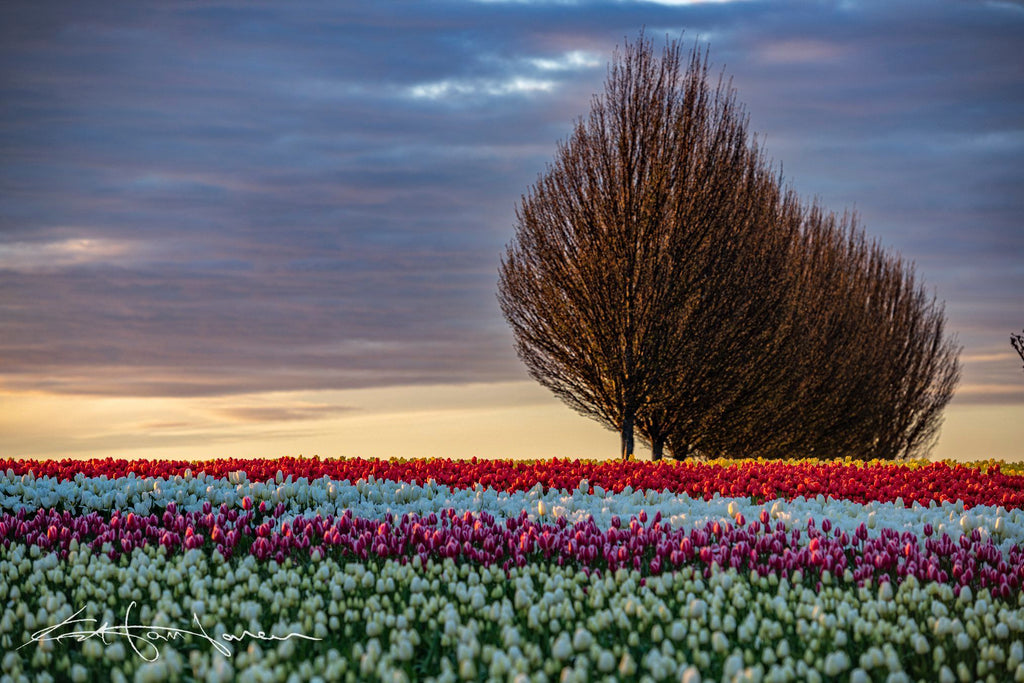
448,622
375,498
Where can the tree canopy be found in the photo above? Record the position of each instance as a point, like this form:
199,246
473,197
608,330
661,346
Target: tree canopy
663,281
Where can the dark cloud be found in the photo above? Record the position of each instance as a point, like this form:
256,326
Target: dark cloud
213,198
283,413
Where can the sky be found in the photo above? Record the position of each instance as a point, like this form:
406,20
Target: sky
266,228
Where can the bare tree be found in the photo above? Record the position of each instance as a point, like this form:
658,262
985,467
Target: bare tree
1017,342
592,285
916,366
663,282
729,333
788,388
860,365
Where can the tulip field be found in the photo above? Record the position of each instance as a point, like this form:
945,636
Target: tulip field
302,569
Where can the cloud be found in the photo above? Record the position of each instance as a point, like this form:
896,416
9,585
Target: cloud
570,61
281,413
988,357
989,394
465,88
800,51
684,3
216,200
47,256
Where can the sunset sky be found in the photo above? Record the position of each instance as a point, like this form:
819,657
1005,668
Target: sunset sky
266,228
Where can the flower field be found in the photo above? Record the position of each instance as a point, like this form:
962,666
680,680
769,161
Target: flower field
309,569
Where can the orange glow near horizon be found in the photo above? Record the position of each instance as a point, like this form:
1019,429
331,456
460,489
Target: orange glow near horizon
503,420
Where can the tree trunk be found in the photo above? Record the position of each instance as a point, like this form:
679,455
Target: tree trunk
657,447
627,435
680,452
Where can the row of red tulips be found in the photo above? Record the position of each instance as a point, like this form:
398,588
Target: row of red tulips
651,548
759,480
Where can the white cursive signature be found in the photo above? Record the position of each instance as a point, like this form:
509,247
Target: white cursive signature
143,636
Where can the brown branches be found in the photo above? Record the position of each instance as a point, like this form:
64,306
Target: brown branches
661,280
589,285
1017,342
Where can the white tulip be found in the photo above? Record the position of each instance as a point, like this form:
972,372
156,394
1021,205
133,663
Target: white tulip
690,675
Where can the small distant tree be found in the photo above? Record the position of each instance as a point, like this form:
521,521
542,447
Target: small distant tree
1017,342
